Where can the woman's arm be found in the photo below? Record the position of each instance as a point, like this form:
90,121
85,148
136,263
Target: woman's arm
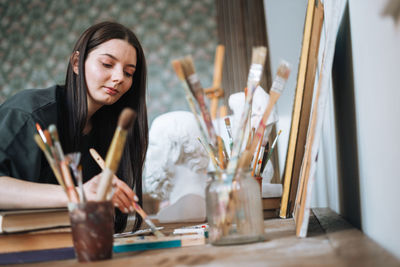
19,194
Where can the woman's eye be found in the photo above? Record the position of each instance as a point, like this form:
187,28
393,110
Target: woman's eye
107,65
127,74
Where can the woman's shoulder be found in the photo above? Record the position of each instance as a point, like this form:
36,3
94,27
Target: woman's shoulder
29,100
19,113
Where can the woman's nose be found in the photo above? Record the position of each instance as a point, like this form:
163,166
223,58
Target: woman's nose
117,75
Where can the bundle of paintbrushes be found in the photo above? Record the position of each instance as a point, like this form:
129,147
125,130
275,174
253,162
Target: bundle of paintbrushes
213,143
49,143
61,164
247,144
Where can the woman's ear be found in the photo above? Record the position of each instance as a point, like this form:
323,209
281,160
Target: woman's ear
75,62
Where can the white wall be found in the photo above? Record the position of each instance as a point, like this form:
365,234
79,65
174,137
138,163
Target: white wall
285,21
376,63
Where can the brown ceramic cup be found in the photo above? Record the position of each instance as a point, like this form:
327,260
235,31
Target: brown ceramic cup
92,225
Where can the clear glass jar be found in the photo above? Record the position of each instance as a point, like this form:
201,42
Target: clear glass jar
234,210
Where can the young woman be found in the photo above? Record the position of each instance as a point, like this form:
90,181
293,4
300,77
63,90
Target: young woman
106,73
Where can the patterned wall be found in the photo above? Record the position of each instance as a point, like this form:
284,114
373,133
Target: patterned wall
37,37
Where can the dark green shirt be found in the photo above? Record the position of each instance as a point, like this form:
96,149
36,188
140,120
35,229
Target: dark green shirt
20,157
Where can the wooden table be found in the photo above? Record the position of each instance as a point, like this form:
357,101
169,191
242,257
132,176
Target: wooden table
331,241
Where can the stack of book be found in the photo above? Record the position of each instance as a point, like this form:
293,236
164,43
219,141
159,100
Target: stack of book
33,219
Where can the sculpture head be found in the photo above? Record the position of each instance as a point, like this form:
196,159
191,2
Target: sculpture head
173,153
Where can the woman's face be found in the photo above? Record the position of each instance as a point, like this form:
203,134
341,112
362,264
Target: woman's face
109,69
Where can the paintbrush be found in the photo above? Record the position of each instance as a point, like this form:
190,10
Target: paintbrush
256,161
272,147
276,90
256,68
221,157
99,160
207,148
54,135
43,137
73,160
96,156
53,150
50,160
125,122
197,90
80,184
71,191
229,130
143,214
189,97
263,158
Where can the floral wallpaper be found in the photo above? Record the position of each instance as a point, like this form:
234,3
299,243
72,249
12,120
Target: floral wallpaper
37,37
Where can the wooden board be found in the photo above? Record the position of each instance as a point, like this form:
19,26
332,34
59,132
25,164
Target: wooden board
334,11
302,105
307,102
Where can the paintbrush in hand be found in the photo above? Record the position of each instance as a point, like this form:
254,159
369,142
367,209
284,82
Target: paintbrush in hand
143,214
125,122
99,160
96,156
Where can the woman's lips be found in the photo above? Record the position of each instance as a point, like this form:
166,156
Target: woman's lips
111,91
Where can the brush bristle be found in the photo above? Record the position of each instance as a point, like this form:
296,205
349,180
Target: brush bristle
258,55
178,69
187,66
53,132
126,118
39,142
283,70
227,121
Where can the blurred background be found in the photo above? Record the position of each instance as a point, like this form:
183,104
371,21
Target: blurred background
37,38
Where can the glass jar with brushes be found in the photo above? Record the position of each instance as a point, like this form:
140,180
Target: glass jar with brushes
234,209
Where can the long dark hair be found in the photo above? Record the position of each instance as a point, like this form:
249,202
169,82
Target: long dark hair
104,121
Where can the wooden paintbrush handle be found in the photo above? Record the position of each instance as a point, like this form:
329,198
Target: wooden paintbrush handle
71,191
116,148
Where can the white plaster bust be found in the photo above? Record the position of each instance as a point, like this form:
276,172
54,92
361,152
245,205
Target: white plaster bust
176,162
176,167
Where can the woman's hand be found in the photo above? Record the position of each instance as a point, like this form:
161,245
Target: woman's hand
122,198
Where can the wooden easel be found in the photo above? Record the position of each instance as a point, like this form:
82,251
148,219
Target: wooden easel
215,93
